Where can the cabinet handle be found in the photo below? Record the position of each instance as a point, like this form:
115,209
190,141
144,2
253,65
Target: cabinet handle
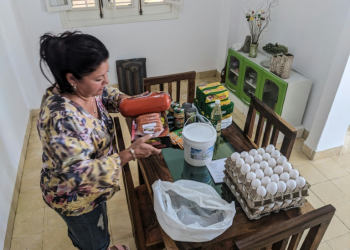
231,89
246,102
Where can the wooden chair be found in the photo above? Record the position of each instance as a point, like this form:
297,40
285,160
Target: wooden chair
291,232
145,227
160,80
272,120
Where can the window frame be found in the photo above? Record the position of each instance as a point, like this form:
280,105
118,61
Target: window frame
172,14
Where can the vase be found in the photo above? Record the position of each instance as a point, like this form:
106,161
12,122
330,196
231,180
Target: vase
247,44
253,50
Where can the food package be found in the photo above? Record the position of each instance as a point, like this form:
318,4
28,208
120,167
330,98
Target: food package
155,124
211,95
201,88
226,108
176,138
144,104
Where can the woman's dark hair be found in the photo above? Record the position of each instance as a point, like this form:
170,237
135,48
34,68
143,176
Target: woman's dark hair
71,52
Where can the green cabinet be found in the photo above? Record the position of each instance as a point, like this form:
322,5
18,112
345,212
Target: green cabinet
234,70
245,78
273,91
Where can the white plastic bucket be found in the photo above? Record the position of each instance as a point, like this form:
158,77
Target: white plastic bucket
199,140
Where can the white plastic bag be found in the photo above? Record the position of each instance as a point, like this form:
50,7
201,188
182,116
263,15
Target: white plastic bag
191,211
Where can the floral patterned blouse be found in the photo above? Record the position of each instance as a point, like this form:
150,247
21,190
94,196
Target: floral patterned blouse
80,161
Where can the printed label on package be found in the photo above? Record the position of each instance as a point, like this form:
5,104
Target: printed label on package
201,154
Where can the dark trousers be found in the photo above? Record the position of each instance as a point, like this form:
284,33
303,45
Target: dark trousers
89,231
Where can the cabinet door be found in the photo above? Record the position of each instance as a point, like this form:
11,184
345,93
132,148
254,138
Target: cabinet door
273,91
234,70
251,81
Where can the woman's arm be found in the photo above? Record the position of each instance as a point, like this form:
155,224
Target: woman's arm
111,98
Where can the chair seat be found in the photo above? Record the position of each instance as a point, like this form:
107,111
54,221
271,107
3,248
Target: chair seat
151,228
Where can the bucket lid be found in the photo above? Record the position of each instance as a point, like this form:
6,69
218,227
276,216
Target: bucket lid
199,132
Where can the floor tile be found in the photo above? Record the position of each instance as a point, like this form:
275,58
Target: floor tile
126,241
343,184
342,160
335,229
33,164
298,159
329,193
314,200
30,200
117,203
57,239
311,174
330,168
30,181
340,243
28,242
29,223
342,211
324,246
52,220
120,225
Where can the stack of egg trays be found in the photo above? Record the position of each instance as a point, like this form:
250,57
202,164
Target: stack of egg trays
249,194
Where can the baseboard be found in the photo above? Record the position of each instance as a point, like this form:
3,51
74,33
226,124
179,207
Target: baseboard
312,155
14,202
305,134
206,74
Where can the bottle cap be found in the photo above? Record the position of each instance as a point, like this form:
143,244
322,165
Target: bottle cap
217,101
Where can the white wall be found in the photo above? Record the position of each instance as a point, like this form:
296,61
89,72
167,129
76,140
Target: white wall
170,46
310,29
17,95
332,119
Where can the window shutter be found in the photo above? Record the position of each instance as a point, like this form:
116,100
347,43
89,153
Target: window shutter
58,5
176,2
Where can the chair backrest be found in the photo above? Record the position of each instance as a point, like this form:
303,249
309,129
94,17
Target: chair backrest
131,198
288,234
272,120
160,80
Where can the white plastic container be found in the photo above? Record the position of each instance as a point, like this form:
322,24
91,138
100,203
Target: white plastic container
199,140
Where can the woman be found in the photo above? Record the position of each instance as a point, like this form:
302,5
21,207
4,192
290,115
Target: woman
81,166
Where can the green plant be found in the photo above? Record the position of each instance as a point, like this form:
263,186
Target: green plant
275,48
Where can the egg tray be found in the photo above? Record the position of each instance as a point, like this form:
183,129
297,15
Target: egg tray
252,198
256,213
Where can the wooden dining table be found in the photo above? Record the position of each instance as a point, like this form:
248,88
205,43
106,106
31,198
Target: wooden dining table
155,168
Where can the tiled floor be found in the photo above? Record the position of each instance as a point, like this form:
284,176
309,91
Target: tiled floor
39,227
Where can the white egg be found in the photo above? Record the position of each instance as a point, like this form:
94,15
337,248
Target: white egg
278,170
244,154
288,201
275,178
261,209
268,171
235,156
259,174
232,187
271,205
256,183
261,191
253,152
287,166
270,148
281,186
249,159
291,184
294,174
255,166
261,151
284,177
263,164
245,168
266,156
250,176
240,162
272,162
281,160
265,180
258,158
300,181
272,188
275,154
279,203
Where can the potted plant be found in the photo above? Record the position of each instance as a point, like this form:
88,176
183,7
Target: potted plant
257,21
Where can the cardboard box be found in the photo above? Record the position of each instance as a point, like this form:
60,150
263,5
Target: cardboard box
162,140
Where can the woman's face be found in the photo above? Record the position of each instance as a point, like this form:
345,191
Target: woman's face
92,84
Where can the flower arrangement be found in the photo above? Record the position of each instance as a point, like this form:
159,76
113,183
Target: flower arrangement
259,19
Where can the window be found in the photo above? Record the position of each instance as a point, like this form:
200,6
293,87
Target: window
84,13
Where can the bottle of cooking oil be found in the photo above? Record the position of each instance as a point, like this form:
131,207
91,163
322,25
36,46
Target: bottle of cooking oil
216,117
